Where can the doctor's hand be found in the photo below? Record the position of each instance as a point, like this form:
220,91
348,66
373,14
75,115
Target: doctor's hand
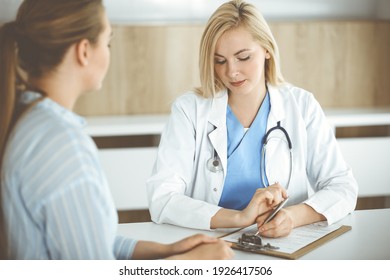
288,218
280,225
263,201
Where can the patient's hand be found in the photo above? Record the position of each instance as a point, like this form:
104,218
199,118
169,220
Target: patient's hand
201,247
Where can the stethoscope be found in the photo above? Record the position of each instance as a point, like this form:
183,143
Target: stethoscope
267,138
214,164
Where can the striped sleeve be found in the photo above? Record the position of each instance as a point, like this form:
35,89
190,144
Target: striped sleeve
124,247
77,224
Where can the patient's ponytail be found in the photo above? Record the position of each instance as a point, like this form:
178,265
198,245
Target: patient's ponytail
8,69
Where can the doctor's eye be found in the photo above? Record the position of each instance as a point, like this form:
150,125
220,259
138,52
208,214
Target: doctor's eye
219,61
244,58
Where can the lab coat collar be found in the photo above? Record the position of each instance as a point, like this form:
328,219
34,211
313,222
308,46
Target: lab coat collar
218,109
219,104
217,118
277,112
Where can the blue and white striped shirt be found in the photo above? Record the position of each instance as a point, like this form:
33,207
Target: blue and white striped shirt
56,200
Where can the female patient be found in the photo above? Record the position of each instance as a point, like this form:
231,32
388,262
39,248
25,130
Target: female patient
55,199
211,164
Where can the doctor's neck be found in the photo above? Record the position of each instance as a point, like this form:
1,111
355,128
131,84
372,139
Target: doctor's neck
252,99
246,106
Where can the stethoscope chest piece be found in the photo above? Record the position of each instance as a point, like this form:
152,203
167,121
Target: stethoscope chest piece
214,164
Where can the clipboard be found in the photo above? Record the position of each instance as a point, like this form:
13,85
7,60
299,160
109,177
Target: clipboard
297,253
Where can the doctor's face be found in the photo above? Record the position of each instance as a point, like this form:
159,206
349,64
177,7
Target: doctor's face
239,62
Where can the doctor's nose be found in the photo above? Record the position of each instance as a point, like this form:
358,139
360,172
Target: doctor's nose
232,71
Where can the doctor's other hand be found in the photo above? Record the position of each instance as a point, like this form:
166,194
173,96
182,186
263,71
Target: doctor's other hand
280,225
201,247
263,201
288,218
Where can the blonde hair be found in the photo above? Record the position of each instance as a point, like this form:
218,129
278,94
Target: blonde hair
33,45
228,16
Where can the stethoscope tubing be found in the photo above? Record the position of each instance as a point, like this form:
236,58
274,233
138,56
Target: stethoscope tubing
264,147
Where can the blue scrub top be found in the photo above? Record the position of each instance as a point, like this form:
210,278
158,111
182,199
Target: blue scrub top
243,175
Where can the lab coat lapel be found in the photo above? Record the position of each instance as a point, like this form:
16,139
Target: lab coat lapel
277,112
217,118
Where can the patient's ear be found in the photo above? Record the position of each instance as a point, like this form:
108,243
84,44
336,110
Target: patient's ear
82,52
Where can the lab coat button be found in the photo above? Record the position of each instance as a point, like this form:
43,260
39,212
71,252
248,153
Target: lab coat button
215,189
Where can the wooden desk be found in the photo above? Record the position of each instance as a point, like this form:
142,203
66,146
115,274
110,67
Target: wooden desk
368,239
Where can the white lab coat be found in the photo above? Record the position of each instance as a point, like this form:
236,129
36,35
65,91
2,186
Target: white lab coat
184,192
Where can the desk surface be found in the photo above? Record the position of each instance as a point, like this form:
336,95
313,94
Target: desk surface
368,239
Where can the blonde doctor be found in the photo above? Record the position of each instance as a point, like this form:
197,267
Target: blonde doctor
245,140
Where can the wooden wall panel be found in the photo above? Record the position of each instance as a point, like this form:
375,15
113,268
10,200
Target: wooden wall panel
344,63
150,66
382,94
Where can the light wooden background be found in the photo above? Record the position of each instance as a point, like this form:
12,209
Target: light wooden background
344,63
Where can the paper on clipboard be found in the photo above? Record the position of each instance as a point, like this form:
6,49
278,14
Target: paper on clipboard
300,241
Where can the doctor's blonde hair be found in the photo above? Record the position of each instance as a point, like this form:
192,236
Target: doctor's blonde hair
228,16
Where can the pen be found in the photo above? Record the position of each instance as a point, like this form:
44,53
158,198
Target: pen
274,212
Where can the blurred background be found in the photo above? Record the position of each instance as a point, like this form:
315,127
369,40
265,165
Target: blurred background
337,49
